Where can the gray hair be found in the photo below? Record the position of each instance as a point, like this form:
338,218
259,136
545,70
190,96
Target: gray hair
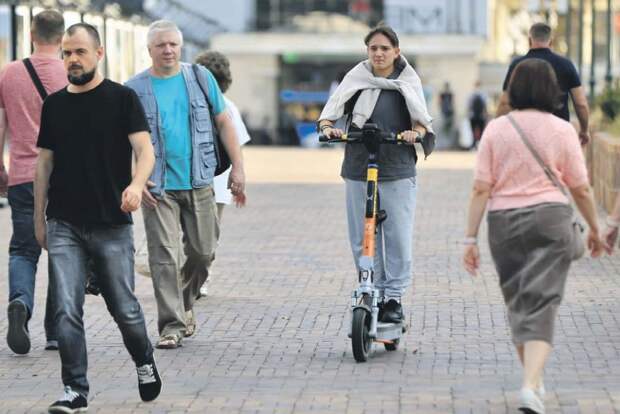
162,26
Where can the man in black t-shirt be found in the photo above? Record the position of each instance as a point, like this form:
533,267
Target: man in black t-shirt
88,132
568,79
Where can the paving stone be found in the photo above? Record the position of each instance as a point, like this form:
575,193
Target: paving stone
272,334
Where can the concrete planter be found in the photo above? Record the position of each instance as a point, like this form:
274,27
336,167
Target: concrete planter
603,158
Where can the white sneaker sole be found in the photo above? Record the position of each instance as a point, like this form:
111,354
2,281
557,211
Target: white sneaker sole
65,410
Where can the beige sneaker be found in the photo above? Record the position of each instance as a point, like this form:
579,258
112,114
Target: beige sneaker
190,323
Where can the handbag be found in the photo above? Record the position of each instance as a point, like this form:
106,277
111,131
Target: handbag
223,160
577,246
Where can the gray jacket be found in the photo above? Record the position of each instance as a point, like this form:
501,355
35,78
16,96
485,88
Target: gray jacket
203,152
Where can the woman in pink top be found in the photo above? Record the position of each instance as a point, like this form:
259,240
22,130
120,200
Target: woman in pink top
529,218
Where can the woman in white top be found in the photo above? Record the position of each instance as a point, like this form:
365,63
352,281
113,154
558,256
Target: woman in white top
219,66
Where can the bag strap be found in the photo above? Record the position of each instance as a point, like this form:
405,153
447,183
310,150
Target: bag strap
544,166
205,91
35,78
203,86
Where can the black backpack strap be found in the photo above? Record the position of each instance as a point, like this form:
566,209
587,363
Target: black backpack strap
35,79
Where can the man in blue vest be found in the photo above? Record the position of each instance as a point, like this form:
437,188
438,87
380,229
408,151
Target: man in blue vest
180,193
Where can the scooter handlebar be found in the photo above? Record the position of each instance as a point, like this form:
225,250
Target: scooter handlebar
356,137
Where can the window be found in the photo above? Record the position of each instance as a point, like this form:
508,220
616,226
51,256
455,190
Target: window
5,35
23,31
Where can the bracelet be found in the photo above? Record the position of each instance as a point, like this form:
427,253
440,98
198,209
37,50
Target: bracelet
324,127
612,223
470,241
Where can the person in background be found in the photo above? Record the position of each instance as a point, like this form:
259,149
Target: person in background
446,106
477,113
20,114
219,66
529,216
540,39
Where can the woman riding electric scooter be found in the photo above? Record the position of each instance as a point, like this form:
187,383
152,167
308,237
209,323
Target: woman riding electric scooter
386,91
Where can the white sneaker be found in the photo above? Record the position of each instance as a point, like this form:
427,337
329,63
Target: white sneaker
204,290
530,403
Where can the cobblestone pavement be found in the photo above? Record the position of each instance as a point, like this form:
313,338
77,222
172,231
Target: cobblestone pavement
272,333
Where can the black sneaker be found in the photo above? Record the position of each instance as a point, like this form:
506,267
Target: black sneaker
392,312
380,305
17,336
71,402
149,381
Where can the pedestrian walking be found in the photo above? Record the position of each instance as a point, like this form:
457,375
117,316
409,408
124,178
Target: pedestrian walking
529,216
477,113
219,66
24,85
446,106
84,177
540,40
386,91
180,194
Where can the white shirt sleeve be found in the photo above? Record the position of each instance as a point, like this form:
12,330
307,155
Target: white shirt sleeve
222,194
233,111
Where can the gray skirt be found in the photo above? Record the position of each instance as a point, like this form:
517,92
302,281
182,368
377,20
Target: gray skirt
530,249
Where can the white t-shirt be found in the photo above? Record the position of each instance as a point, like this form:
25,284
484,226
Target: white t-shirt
223,194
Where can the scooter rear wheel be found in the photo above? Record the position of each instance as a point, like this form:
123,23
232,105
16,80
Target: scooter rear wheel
360,340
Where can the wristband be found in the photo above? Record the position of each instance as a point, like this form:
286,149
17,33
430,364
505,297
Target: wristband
612,223
470,241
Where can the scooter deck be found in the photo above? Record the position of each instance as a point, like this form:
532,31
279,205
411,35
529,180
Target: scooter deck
389,331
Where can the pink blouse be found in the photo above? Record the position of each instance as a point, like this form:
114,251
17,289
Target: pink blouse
516,178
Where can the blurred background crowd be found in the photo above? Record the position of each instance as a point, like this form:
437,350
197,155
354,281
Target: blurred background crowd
287,55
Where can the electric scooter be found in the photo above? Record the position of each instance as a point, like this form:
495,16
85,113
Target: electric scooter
365,328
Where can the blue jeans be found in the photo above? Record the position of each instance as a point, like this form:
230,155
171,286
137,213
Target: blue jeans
111,250
24,253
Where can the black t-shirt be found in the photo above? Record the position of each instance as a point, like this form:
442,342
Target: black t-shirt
88,133
565,71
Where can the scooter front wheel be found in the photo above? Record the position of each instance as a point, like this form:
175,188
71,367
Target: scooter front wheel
360,339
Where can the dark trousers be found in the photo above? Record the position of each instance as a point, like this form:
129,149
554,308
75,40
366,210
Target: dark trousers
24,253
477,127
111,250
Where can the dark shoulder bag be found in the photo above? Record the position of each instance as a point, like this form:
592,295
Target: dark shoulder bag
223,160
35,79
577,246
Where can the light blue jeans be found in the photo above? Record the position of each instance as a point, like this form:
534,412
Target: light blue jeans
394,256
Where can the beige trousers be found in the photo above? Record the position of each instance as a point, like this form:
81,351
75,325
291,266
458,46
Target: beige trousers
176,284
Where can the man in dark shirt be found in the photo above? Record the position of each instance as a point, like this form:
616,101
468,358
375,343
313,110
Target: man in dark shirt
568,79
88,132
